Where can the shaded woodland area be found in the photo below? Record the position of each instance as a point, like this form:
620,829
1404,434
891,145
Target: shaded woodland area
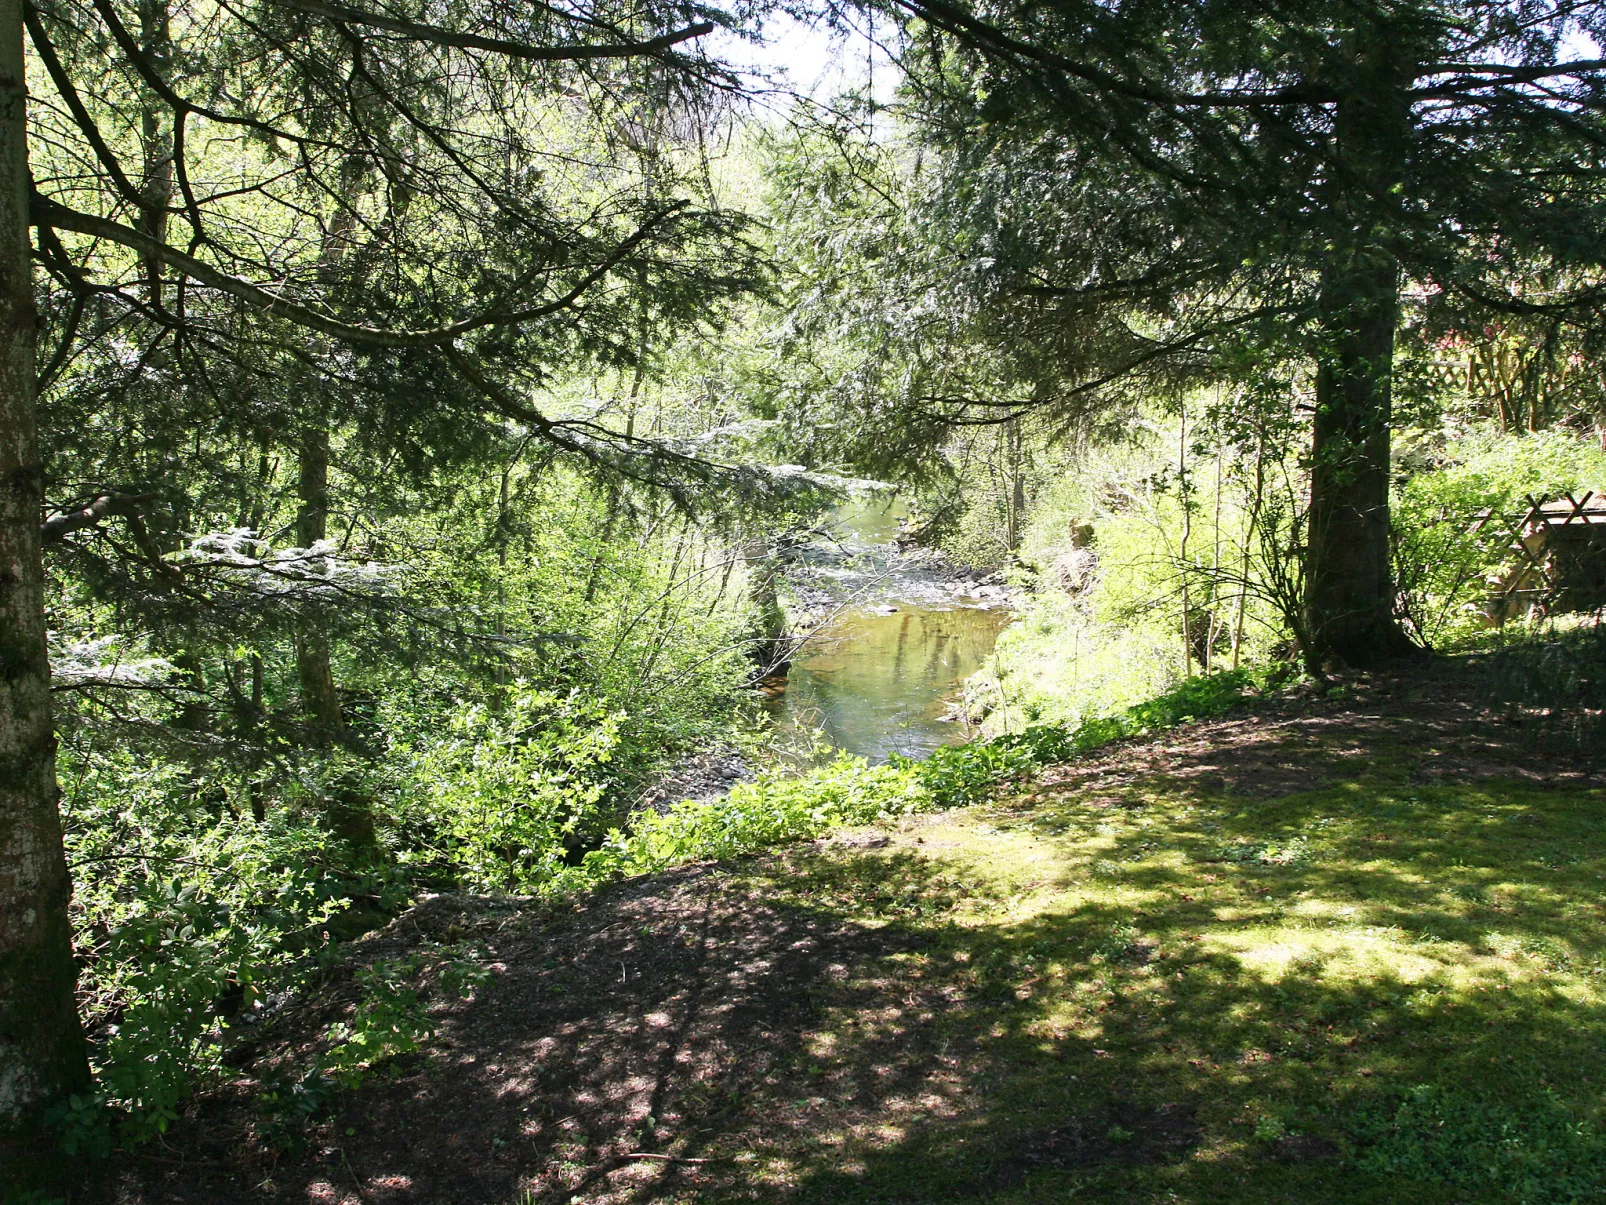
417,420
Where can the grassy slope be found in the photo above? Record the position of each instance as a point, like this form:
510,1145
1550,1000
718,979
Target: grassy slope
1147,945
1178,971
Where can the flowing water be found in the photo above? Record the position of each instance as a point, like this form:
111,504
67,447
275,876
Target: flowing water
901,635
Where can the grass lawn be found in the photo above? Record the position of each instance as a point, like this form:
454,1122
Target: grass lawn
1177,994
1351,954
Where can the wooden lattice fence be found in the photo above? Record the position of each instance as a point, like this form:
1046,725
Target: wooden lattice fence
1555,556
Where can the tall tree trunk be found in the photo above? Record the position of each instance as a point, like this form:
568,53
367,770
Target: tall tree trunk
42,1052
314,672
350,811
156,138
1349,591
1349,588
319,697
1016,510
771,649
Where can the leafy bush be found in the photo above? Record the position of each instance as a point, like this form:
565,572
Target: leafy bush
186,914
1536,1155
388,1021
1442,568
850,791
505,788
775,809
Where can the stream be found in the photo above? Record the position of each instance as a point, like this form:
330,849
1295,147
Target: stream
894,636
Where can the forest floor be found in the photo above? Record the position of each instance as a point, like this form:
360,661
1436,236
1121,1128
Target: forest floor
1208,966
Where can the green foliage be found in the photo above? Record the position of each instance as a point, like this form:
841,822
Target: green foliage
1172,521
1296,852
506,785
229,797
1535,1153
1445,572
289,1103
186,914
389,1021
198,820
1117,943
779,807
776,808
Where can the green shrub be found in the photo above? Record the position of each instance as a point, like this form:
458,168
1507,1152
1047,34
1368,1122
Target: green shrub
186,913
505,791
779,808
1442,568
1538,1154
389,1021
775,809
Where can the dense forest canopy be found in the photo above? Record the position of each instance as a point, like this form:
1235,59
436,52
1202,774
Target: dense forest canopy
408,410
280,241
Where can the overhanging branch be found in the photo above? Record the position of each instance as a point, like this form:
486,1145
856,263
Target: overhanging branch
59,526
45,212
517,50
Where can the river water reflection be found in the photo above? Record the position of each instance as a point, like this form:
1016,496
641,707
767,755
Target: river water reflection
878,684
879,677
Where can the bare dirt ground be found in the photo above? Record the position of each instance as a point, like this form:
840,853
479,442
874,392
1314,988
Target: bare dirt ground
768,1030
653,1013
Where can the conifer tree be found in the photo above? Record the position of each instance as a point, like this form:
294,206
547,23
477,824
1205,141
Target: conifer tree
191,167
1179,181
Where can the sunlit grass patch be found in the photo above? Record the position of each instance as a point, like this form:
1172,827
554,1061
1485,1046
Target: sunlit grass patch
1280,969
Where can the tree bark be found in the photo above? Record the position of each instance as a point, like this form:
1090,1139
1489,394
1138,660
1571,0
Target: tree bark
320,698
1349,589
771,650
1349,598
156,138
42,1051
1016,456
349,811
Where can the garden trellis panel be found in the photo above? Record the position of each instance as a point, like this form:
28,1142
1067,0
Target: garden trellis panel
1556,556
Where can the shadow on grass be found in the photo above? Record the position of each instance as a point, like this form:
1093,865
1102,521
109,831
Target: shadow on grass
1173,1065
1170,1016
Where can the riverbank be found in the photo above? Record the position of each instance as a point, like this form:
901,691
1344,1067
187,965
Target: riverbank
882,638
1339,946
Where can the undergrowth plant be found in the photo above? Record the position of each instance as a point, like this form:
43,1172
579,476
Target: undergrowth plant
850,791
389,1020
1447,564
1538,1154
181,956
506,790
183,934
